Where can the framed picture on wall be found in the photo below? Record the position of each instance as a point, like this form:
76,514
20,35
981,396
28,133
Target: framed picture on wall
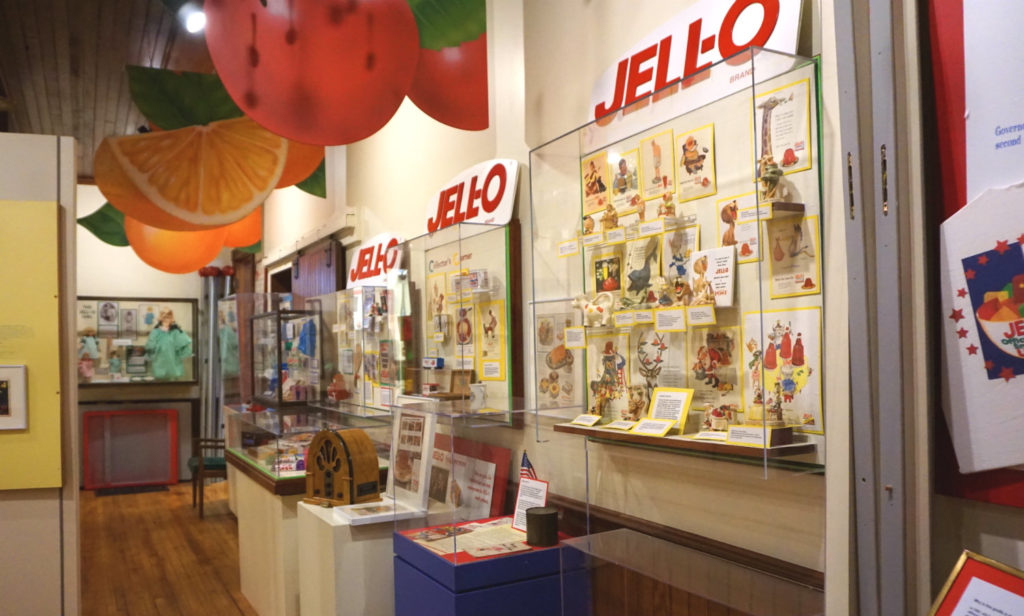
980,585
13,399
129,322
109,318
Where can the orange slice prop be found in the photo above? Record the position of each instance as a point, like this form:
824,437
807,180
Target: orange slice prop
175,252
245,232
191,178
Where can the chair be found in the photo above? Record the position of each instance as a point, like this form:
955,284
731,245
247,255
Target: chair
205,466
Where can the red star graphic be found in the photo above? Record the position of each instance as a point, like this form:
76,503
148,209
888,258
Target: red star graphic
983,260
961,333
989,365
956,315
969,274
973,350
961,293
1002,246
1006,373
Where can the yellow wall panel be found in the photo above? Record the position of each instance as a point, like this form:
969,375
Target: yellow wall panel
30,335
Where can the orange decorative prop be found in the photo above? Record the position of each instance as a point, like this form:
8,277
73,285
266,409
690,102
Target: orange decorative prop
318,72
175,252
245,232
302,161
191,178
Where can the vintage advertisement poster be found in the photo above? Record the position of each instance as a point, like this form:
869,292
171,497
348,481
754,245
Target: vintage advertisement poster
782,131
695,169
643,265
677,248
608,374
109,318
606,270
657,165
129,323
658,359
594,174
713,277
738,225
784,376
794,264
556,363
713,357
624,170
470,476
465,336
491,327
87,319
437,295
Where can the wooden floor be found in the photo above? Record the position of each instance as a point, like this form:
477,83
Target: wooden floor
151,554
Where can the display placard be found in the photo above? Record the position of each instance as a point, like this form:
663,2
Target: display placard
980,586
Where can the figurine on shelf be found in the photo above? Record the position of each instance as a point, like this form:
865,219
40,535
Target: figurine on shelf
610,218
718,418
730,213
755,370
638,403
336,390
667,208
682,293
774,411
88,344
588,225
596,311
167,348
86,369
115,362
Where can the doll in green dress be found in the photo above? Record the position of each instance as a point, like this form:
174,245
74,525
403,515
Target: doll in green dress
115,362
228,347
167,347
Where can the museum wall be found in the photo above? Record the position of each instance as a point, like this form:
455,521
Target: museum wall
393,176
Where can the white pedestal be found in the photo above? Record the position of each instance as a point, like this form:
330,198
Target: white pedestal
344,570
267,547
233,490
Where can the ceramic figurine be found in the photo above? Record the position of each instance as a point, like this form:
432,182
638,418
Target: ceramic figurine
638,403
610,218
596,311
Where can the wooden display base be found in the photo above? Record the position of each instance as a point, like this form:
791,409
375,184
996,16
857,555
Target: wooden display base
692,444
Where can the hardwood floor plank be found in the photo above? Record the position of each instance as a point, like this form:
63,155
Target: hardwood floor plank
150,554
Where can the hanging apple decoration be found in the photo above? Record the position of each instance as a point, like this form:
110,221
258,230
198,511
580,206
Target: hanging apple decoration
325,72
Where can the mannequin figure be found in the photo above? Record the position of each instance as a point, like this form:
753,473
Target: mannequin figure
115,363
228,339
167,347
87,344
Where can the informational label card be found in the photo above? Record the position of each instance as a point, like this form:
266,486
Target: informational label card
621,424
532,493
569,248
616,235
651,227
747,435
593,239
709,435
643,316
576,337
670,320
700,316
586,420
653,427
624,319
983,598
671,403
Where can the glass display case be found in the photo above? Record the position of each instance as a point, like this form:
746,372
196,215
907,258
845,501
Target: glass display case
456,302
136,340
275,442
677,292
360,365
677,259
235,342
286,357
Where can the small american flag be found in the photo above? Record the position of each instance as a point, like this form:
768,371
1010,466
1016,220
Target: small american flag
526,469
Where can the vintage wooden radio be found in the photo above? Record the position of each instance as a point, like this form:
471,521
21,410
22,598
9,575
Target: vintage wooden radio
342,469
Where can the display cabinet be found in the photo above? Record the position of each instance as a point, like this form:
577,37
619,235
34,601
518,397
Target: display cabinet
677,251
286,357
235,342
456,306
360,368
275,442
677,334
131,340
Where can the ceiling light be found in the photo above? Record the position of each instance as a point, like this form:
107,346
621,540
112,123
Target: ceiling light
195,21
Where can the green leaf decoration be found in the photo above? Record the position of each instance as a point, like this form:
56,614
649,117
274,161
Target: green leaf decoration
107,224
255,248
449,23
316,183
173,100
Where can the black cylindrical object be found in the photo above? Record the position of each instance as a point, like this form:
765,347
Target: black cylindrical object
541,526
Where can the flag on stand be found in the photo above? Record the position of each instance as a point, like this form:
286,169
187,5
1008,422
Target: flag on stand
526,469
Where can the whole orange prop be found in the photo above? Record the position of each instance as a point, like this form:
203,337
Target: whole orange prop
245,232
302,161
191,178
175,252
